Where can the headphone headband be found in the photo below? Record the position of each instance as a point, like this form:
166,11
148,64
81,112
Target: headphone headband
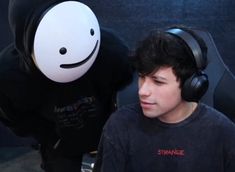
192,44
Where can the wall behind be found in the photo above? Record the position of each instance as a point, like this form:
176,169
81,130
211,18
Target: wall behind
131,19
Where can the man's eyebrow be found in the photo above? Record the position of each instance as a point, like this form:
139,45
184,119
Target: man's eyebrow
159,78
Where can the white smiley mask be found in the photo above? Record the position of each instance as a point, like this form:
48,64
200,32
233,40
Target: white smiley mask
66,41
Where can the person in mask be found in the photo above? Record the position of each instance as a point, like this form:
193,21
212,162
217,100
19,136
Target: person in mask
170,129
59,78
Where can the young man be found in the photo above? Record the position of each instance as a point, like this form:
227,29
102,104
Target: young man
169,129
59,78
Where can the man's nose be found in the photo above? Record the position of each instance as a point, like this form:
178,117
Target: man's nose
144,88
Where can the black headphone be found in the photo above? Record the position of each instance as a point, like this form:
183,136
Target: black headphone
195,86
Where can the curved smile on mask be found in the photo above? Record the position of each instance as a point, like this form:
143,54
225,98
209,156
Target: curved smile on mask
73,65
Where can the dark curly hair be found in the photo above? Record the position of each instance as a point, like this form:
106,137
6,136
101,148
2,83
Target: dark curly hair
161,49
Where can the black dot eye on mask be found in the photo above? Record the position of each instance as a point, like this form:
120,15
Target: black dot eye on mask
63,51
92,32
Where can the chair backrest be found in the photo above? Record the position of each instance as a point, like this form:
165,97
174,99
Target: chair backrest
220,94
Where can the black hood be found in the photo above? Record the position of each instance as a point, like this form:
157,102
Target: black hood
20,12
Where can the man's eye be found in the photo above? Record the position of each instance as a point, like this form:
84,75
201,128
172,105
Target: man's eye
158,82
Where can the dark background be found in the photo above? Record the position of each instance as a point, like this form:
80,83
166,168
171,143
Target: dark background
131,19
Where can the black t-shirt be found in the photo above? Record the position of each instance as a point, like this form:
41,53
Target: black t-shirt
72,113
131,142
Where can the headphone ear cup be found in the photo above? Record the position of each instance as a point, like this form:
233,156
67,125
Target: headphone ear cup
195,87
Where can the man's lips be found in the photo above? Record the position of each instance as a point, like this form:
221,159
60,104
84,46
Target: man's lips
146,104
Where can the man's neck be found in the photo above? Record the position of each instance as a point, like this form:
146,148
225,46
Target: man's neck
179,113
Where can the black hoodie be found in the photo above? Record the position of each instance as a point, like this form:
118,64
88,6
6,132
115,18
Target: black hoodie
33,105
20,12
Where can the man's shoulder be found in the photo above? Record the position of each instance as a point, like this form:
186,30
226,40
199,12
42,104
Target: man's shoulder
12,77
216,117
125,115
121,122
9,60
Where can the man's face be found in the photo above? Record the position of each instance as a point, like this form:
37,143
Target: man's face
160,95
